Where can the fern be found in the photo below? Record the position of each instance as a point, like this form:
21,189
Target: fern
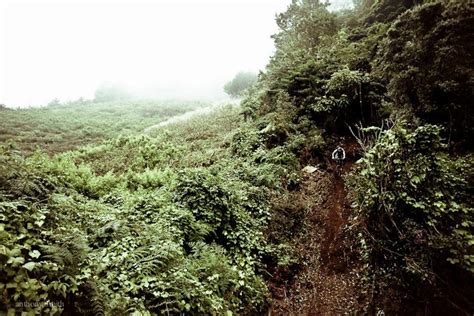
69,254
92,302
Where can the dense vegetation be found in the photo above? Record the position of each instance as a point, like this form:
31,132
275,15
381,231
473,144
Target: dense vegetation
396,76
162,224
214,216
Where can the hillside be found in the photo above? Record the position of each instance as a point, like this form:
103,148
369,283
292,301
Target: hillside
169,215
60,127
218,214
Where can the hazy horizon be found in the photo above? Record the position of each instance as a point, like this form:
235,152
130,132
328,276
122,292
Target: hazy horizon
179,49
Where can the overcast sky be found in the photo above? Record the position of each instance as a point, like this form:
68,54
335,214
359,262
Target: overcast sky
66,49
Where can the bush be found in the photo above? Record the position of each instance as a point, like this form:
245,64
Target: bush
414,206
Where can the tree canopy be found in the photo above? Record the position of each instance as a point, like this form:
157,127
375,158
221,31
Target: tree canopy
240,84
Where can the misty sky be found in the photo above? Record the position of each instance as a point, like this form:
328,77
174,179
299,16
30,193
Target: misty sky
66,49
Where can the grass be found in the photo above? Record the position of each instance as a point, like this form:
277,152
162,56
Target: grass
60,128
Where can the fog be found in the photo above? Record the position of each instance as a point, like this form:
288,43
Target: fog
166,49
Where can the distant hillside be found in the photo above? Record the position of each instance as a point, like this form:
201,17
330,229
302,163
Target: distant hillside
61,127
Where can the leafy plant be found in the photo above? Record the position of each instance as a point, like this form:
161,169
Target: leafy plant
414,205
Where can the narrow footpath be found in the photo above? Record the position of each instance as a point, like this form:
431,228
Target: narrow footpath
326,281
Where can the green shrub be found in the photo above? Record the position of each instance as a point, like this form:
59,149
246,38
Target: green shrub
414,202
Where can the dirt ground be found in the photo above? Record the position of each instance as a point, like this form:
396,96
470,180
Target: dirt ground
326,283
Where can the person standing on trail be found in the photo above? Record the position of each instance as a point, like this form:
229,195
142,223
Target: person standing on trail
339,155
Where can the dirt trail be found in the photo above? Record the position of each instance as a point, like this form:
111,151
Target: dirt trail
336,218
326,283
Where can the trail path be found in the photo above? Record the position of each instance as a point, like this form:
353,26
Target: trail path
336,219
326,283
335,281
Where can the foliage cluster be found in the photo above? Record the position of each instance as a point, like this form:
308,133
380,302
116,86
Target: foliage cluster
416,208
171,226
427,60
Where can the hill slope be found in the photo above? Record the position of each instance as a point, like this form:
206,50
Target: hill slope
61,127
215,215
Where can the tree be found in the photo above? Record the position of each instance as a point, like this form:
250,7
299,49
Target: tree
427,62
240,84
111,92
302,25
54,102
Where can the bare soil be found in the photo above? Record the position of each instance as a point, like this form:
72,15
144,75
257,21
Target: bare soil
326,281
